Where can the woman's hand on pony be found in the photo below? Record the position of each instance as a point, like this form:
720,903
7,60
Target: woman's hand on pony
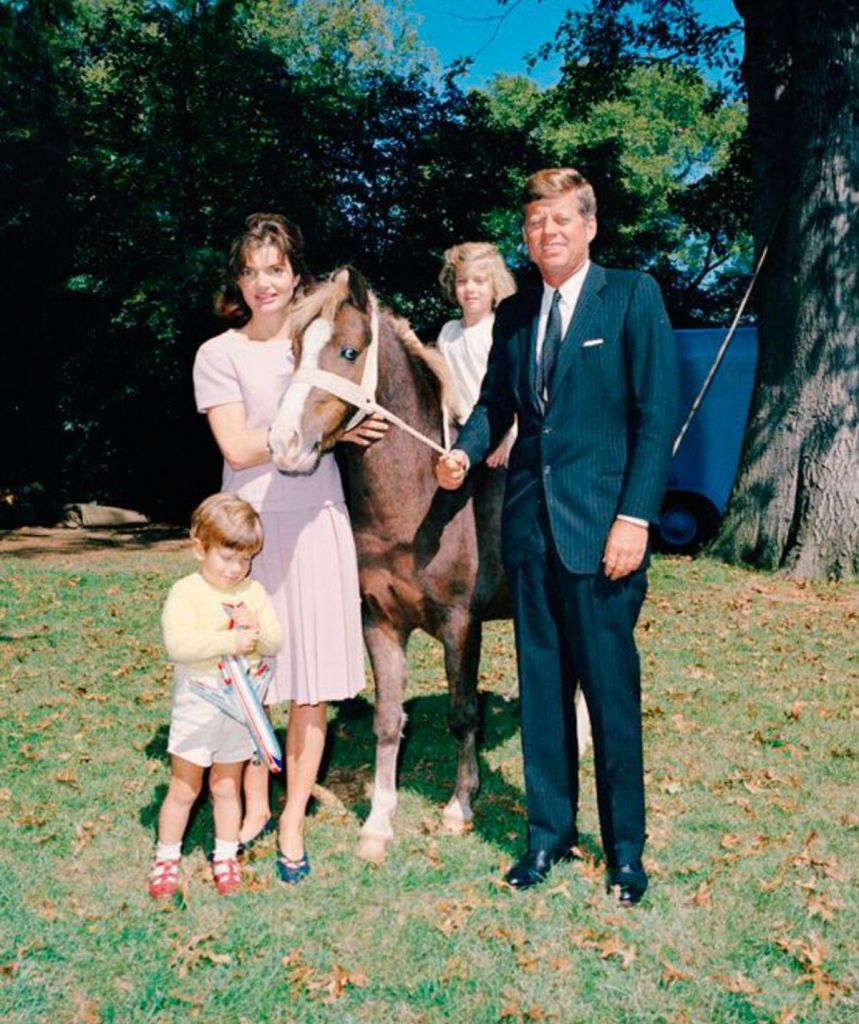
367,432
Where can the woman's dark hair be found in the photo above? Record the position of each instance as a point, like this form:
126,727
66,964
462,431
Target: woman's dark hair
260,229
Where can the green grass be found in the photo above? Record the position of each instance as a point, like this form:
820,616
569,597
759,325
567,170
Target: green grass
751,716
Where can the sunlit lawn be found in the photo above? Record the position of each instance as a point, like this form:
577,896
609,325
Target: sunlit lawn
751,715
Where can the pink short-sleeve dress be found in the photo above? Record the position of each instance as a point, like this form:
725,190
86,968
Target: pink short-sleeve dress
308,564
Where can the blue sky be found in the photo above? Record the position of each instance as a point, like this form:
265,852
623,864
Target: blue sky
460,28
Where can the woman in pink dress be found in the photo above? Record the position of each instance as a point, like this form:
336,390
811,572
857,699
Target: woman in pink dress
308,564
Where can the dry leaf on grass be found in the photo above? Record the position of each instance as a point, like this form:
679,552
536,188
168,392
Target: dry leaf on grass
329,985
811,953
338,980
455,914
515,1011
456,969
515,936
588,867
682,724
738,983
86,1011
192,953
810,858
702,895
613,947
822,906
672,974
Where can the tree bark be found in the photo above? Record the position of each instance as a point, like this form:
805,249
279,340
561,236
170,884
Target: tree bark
795,504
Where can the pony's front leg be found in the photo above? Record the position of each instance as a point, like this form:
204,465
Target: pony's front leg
461,639
388,660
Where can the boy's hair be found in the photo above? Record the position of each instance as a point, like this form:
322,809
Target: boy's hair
228,521
476,252
555,181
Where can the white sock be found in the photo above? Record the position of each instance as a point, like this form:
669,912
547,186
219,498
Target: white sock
168,851
225,850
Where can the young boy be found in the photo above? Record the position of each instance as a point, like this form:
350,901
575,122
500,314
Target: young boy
214,612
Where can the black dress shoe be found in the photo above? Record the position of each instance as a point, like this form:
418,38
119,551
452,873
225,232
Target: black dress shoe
533,868
629,881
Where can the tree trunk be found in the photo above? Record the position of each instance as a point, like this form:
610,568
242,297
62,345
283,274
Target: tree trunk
795,503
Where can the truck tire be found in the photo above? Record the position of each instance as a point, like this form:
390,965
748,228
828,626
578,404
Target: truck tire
686,522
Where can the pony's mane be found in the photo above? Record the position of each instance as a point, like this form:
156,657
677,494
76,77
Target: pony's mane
325,300
451,395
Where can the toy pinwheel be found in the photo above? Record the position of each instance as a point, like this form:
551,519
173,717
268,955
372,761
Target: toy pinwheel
241,698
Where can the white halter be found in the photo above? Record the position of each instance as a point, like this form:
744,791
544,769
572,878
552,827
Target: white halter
363,395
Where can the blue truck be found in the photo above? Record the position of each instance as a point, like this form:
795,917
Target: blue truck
702,471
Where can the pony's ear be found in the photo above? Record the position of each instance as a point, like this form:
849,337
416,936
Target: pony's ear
354,286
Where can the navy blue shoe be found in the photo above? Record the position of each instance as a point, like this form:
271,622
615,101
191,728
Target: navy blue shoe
533,868
267,828
292,871
629,883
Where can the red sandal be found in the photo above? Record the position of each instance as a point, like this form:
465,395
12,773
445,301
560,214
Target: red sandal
228,875
163,879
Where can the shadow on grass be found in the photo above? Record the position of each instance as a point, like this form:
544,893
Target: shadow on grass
427,764
427,767
200,833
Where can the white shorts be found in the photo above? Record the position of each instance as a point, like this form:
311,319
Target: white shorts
203,734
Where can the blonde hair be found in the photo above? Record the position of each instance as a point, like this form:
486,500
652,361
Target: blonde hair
555,181
473,252
226,520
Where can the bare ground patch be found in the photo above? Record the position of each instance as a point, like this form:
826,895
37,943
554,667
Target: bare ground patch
39,542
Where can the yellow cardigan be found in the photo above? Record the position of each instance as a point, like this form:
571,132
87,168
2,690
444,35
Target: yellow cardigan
195,623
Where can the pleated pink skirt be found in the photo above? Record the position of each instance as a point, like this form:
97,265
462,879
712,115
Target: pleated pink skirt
309,569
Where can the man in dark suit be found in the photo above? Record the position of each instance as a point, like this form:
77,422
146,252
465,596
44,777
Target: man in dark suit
586,362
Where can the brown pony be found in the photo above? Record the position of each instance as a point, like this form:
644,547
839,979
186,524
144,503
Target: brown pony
427,559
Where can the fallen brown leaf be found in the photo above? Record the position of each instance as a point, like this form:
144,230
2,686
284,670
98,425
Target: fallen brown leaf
738,983
612,946
701,896
672,974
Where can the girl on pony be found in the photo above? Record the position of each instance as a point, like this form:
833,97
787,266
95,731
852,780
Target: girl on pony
474,277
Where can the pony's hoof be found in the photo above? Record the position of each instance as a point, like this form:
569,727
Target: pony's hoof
371,849
455,819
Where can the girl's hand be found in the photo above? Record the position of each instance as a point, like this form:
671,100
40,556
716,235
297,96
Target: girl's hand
367,432
501,456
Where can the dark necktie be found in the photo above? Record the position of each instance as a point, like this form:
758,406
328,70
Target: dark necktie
551,345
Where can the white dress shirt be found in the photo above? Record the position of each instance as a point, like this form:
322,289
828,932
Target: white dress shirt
570,291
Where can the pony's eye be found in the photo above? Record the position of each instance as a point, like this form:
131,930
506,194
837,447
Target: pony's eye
349,353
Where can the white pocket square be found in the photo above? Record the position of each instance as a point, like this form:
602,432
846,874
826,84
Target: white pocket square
592,341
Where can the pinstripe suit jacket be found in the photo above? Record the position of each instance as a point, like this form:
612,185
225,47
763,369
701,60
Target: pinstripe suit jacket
600,445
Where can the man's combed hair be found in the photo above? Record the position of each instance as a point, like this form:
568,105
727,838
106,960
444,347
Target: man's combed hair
226,520
555,181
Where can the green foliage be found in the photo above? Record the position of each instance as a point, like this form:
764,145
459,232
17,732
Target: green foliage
136,136
749,687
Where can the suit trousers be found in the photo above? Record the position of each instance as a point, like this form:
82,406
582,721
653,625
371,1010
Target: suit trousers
578,629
